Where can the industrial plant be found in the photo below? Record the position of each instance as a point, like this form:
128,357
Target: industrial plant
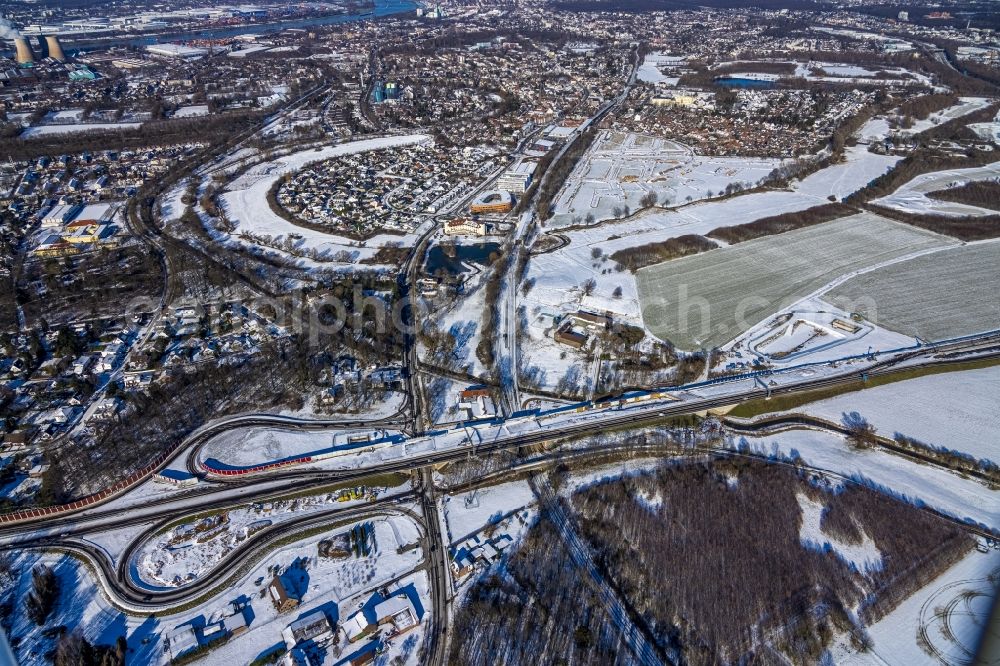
48,47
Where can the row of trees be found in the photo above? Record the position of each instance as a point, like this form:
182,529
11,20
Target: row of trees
779,224
985,194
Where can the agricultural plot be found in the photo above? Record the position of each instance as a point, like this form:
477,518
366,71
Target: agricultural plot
912,197
705,300
951,293
959,411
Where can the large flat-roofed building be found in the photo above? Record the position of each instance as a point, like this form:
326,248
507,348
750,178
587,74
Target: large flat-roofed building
60,215
495,201
96,213
176,51
517,178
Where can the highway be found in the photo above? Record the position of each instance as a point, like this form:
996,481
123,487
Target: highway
438,570
599,419
118,582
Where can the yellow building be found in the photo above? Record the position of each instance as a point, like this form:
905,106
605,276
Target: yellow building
493,202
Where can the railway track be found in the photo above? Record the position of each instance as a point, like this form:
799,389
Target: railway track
615,419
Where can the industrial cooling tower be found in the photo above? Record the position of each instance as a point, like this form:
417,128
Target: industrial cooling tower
55,48
24,55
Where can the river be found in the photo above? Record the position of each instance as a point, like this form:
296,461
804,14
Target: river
382,8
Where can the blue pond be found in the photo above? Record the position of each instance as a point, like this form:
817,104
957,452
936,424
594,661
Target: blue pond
737,82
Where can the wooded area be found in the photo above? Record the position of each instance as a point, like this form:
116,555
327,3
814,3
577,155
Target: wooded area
722,541
634,258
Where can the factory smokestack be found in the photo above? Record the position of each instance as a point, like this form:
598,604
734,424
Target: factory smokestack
55,48
24,55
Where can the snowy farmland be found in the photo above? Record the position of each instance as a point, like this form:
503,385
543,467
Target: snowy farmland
959,411
947,294
912,196
705,300
557,275
621,168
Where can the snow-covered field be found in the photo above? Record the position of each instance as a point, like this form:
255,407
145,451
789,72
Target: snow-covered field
558,276
49,130
172,203
462,320
844,73
649,71
947,294
442,396
948,616
706,300
558,273
945,491
955,410
547,364
965,106
619,169
468,513
192,111
912,196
